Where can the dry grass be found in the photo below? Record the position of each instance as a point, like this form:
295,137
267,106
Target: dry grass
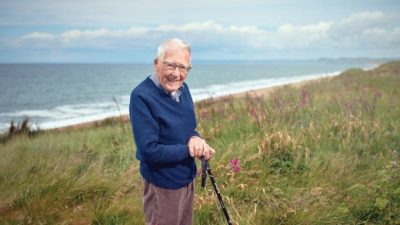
325,152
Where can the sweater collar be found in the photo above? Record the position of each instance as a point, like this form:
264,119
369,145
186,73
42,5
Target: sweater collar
174,95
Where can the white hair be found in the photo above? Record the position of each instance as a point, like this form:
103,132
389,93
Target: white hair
167,43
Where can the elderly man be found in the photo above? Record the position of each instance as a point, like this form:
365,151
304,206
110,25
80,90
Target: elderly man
164,126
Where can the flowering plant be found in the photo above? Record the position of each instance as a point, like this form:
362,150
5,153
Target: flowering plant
235,165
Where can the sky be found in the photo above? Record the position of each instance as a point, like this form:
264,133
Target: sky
129,31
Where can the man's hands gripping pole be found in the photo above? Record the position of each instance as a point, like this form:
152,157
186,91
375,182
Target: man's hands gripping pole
199,148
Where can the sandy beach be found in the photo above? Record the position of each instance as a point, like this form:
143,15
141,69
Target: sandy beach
125,118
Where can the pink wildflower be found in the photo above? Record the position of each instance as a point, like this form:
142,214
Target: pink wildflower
304,98
378,94
235,165
253,112
203,114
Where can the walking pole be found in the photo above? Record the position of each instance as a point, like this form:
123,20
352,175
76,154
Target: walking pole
205,167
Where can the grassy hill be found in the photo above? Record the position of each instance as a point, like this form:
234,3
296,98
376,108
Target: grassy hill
326,152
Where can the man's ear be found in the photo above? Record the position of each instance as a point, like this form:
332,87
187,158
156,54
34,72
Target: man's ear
155,63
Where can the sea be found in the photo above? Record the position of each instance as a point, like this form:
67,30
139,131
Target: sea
58,95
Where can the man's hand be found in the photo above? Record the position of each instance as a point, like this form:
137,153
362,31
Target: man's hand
199,148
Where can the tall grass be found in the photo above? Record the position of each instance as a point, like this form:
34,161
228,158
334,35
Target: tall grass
322,153
78,177
19,128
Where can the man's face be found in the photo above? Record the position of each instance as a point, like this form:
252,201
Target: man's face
172,70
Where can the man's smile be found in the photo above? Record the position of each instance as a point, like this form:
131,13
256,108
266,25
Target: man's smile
172,79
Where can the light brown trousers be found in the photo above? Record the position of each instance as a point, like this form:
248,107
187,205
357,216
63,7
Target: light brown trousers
168,207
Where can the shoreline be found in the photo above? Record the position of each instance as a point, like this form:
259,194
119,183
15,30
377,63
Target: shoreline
125,117
232,88
94,120
91,121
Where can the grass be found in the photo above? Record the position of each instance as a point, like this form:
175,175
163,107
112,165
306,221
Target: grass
321,153
15,129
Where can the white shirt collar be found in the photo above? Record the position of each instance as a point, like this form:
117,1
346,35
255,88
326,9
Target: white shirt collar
174,95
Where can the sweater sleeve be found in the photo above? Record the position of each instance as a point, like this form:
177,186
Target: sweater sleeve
146,136
195,133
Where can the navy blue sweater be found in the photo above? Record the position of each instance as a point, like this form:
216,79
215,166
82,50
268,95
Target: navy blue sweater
162,128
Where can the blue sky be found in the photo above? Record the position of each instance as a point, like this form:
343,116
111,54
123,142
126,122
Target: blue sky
130,30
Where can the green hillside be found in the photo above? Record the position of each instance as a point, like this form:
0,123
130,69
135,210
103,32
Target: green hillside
326,152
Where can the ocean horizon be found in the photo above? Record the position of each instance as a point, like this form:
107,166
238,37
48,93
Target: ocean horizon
63,94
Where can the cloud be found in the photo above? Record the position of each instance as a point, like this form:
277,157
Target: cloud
192,27
290,36
39,36
363,30
362,20
105,13
32,40
204,33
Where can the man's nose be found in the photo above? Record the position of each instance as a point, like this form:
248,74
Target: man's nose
176,71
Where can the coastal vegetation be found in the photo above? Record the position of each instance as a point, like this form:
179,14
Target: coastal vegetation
321,152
